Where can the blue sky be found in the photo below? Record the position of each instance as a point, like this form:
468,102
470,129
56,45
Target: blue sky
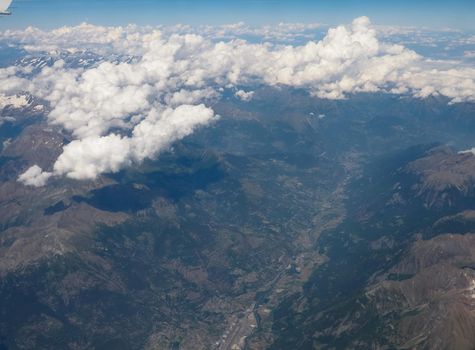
457,14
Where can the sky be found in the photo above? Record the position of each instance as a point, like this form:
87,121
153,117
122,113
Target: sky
457,14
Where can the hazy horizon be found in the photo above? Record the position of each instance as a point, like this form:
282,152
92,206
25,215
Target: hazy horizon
55,13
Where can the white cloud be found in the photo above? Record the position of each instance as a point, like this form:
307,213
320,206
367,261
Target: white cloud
188,97
244,95
129,39
138,106
88,157
15,101
160,129
102,40
34,176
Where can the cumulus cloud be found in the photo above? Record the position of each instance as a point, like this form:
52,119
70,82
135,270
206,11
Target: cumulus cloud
34,176
88,157
121,112
103,40
244,95
128,39
15,101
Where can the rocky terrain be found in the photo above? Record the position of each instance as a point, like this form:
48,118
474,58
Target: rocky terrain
292,222
411,254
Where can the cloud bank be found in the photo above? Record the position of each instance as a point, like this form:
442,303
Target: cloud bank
122,111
